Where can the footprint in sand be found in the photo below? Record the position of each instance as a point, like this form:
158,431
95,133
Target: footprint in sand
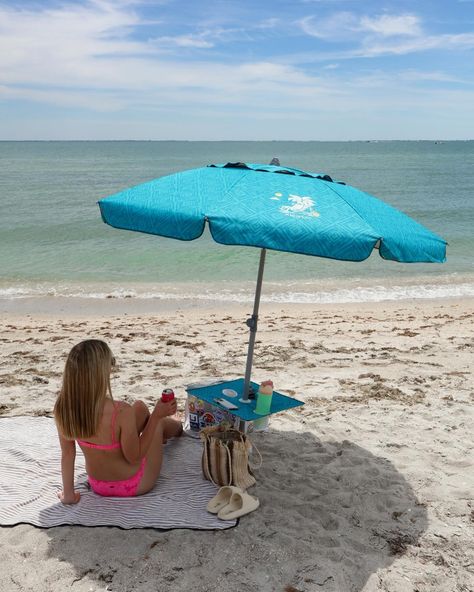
329,522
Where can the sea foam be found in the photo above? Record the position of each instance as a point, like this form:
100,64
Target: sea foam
282,293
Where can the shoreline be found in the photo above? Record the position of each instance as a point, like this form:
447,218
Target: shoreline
70,307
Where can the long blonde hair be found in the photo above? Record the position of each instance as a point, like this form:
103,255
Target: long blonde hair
86,385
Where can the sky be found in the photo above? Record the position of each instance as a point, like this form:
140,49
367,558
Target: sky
229,70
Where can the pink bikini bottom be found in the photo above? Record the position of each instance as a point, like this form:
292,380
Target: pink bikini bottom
126,488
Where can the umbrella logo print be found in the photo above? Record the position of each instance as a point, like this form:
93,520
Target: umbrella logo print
299,206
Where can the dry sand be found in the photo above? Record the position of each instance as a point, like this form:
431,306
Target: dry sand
368,487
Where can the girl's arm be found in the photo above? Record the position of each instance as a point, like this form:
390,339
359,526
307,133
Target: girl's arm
68,456
135,446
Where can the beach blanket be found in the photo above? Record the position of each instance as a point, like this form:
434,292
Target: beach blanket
30,477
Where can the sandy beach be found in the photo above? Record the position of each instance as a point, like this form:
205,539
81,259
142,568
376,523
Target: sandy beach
367,487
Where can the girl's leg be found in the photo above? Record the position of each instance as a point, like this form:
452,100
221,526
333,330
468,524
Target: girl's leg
166,428
171,428
141,415
154,458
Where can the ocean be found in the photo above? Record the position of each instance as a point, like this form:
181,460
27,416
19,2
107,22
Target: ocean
54,243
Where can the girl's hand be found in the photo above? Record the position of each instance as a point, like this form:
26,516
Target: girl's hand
69,499
166,409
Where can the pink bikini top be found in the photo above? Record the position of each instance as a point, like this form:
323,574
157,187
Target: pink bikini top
114,444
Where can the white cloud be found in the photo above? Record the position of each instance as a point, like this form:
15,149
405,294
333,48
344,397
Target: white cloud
196,41
430,76
84,57
269,23
378,36
459,41
344,25
333,28
390,25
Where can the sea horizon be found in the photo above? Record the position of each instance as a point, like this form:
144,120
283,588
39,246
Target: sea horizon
437,139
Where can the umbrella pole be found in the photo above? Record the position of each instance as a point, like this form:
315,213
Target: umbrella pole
252,325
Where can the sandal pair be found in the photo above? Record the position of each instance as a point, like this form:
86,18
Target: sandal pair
232,502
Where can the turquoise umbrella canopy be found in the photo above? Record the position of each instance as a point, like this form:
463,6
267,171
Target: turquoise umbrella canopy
273,207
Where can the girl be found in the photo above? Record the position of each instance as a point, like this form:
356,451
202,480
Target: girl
122,443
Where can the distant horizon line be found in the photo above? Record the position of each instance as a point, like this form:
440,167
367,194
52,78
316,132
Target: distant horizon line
366,140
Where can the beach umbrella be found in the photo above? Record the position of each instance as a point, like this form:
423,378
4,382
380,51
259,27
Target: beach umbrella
272,207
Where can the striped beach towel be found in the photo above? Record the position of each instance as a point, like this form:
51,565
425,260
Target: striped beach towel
30,477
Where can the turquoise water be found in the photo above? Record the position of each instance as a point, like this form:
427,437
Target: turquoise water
52,239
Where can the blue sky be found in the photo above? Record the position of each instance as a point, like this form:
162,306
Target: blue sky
216,70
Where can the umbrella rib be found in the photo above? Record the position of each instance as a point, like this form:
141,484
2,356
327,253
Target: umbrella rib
380,238
236,182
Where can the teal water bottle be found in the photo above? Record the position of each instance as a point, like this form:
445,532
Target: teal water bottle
264,398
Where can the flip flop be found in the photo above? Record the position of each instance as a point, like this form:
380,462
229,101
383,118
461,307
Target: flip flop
222,498
240,503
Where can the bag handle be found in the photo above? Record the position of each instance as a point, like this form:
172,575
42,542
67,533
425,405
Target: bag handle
205,461
209,472
246,440
259,456
229,457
